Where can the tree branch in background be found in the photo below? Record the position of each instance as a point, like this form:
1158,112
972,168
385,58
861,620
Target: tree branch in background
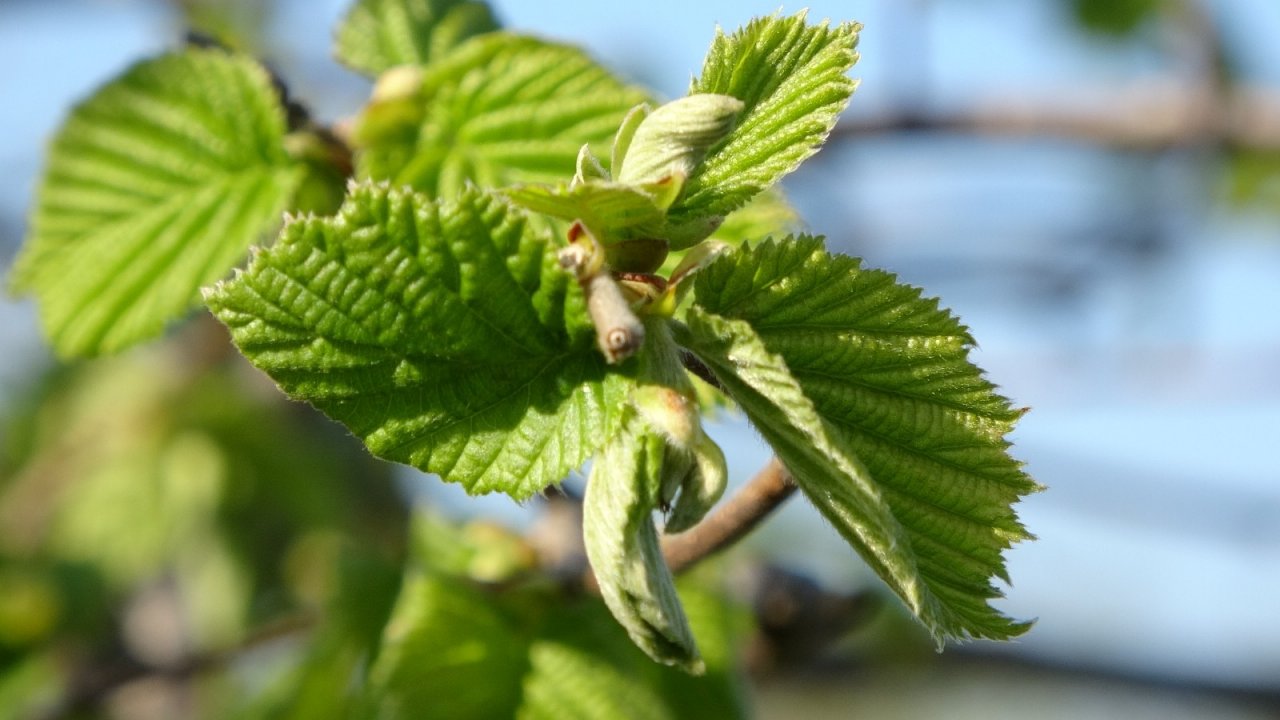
1150,118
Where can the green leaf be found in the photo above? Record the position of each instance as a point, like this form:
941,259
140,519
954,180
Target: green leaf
377,35
1115,17
450,651
622,545
791,78
768,214
498,110
581,666
155,186
444,335
865,390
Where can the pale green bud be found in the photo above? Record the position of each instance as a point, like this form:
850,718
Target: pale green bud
672,139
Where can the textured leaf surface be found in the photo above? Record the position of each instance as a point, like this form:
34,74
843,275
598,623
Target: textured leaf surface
793,330
446,336
498,110
155,186
791,78
377,35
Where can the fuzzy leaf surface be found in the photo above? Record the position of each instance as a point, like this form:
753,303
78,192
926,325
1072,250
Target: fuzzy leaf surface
791,78
377,35
887,377
498,110
444,335
155,186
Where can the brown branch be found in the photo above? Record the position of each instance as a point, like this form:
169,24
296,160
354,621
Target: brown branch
1148,118
729,523
88,687
733,520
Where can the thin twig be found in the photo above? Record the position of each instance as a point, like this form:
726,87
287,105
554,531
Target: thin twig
733,520
724,527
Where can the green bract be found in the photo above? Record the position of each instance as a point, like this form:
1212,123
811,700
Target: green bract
155,186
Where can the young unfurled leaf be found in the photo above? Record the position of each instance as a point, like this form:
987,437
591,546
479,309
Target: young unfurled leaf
377,35
791,78
155,186
865,390
445,335
499,109
622,545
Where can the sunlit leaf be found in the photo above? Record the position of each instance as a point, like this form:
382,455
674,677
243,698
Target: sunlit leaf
444,335
155,186
791,78
865,390
377,35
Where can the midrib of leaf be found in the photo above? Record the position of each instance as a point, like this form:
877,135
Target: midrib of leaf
760,383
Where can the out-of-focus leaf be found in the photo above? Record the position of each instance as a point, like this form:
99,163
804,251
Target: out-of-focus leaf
500,109
155,186
450,651
1114,17
377,35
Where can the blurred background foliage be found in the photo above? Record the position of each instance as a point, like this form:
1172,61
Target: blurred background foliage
178,540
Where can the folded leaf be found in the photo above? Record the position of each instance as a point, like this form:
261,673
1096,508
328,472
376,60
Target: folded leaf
444,335
156,185
865,390
790,77
377,35
498,110
622,545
